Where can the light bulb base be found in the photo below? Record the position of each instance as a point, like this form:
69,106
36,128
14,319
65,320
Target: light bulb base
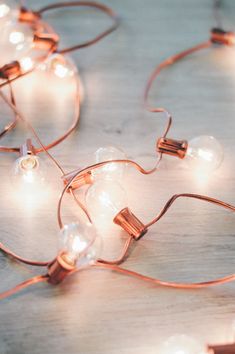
130,223
27,148
59,269
172,147
220,36
26,15
221,349
9,70
80,181
45,41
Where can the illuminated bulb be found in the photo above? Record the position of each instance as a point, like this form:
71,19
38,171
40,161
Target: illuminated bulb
7,9
16,41
204,154
26,63
80,243
4,10
181,344
104,200
61,66
112,171
28,173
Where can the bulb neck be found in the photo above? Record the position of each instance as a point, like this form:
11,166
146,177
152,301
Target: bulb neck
60,268
219,36
130,223
80,181
221,349
27,148
172,147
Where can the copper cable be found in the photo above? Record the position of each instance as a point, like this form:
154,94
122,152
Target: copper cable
96,5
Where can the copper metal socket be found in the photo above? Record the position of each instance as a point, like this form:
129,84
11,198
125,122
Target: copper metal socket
221,349
59,269
45,41
172,147
26,15
220,36
80,181
9,70
130,223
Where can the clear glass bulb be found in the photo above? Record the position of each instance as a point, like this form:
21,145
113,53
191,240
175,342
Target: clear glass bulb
112,171
60,66
16,40
7,11
28,173
80,243
204,154
181,344
104,200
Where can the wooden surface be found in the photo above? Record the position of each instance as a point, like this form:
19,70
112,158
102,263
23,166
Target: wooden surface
95,311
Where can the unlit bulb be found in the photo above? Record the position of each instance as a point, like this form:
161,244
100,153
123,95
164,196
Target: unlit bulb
112,171
181,344
104,200
80,244
204,154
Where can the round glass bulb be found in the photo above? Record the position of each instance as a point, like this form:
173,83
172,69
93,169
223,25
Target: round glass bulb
16,40
28,173
104,200
112,171
60,66
204,154
181,344
7,10
80,243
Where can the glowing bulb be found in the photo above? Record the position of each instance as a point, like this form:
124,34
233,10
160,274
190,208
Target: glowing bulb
181,344
4,10
28,173
26,63
204,154
112,171
61,66
16,41
104,200
80,243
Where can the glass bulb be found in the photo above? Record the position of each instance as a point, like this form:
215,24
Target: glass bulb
28,173
60,66
81,243
104,200
181,344
16,40
204,154
7,10
112,171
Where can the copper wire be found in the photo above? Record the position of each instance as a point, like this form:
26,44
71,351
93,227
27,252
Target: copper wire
91,4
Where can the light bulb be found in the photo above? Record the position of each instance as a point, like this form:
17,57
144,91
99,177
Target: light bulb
181,344
16,41
204,154
104,200
60,66
26,63
28,173
80,244
7,9
112,171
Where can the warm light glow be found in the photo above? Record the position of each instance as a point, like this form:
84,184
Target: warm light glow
4,10
182,344
26,63
16,37
61,70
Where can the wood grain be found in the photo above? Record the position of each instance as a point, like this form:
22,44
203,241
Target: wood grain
95,311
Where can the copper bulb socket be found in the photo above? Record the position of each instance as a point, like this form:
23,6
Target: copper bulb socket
60,268
220,36
9,70
172,147
80,181
26,15
221,349
130,223
45,41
